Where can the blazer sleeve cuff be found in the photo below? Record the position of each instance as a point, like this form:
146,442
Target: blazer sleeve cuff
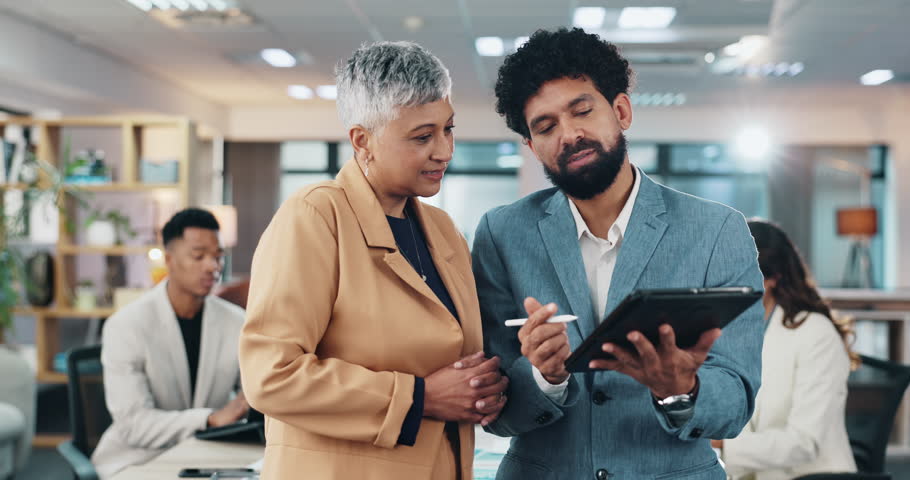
535,409
411,425
715,408
400,404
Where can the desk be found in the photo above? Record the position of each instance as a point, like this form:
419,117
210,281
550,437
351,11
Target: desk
891,309
193,453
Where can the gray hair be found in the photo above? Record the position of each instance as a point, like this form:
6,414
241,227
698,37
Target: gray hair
382,77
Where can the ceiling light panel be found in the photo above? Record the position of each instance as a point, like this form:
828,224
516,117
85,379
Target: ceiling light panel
876,77
300,92
646,17
278,57
589,17
489,46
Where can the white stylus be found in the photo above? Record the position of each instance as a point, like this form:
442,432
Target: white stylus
517,322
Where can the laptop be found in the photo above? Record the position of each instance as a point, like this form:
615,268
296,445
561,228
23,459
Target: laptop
250,429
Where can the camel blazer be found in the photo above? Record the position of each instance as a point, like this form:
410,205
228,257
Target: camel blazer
339,324
147,379
798,425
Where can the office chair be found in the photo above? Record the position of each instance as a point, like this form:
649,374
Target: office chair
874,393
89,417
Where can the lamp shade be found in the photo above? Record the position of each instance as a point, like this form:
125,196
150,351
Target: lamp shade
227,221
860,221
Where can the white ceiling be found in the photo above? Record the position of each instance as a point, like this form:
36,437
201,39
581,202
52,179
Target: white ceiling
838,40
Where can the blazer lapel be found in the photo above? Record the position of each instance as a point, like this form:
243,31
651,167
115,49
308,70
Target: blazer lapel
452,277
376,230
558,231
208,354
173,342
642,235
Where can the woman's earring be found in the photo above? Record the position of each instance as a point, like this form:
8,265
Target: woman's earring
367,172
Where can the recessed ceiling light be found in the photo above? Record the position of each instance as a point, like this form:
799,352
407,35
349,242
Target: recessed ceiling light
489,46
589,17
520,41
746,47
300,92
144,5
646,17
278,57
876,77
709,57
796,69
412,23
327,92
658,99
183,5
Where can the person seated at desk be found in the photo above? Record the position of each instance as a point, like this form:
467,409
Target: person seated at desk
170,357
798,425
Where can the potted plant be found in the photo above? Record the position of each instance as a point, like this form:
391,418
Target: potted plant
107,228
86,295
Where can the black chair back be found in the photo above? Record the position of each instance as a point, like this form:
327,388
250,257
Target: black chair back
89,417
874,393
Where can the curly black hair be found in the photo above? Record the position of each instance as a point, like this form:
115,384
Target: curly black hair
190,217
549,55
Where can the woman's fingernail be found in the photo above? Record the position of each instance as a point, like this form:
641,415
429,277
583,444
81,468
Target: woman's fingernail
458,364
474,383
481,404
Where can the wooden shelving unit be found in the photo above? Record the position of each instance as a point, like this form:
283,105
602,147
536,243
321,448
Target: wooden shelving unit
136,133
115,250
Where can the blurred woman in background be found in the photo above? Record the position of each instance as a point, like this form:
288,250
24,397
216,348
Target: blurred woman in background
798,424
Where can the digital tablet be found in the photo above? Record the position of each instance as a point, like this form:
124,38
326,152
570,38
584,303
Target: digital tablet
250,429
690,311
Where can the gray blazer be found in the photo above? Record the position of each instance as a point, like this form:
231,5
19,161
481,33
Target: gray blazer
609,427
146,377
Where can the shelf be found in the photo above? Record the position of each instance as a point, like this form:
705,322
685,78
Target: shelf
74,313
114,250
49,440
14,186
123,187
30,310
51,377
52,312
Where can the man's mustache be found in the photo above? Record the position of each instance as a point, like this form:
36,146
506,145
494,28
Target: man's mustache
580,145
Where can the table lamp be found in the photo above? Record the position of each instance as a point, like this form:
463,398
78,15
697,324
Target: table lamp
861,224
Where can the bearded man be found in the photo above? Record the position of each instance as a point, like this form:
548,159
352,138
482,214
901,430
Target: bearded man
580,248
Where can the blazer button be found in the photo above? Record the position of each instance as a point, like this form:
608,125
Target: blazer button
544,418
602,474
600,397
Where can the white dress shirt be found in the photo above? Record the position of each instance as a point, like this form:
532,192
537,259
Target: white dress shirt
599,257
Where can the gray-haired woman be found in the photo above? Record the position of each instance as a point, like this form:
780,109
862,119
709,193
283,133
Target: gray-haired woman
362,339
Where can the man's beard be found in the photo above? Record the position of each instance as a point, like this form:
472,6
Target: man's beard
590,180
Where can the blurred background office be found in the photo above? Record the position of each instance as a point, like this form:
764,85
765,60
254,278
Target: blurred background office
797,111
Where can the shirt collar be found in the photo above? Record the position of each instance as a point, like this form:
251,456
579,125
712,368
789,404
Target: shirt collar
622,221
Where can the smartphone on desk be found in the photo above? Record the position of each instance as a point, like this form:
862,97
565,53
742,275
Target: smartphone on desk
218,473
